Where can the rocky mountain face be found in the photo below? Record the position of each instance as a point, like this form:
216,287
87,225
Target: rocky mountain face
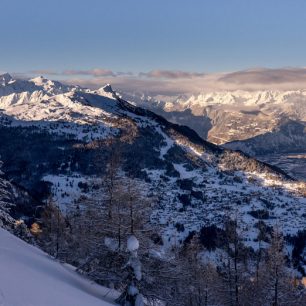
235,115
56,139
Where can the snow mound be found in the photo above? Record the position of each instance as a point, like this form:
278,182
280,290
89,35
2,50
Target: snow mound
132,244
30,277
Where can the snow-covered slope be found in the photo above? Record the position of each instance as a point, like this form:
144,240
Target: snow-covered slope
30,277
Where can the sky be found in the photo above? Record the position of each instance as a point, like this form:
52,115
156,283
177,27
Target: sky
156,45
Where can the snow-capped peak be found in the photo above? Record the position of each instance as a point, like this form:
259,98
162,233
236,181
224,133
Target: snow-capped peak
106,91
5,79
52,87
40,80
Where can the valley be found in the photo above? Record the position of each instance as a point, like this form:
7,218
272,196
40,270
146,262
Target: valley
292,163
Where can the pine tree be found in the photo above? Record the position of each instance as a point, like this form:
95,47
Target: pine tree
98,241
53,235
276,282
202,278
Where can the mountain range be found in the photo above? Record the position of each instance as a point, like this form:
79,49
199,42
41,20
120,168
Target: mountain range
259,123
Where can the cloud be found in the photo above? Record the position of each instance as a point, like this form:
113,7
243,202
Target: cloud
43,72
266,76
97,72
175,82
170,74
100,72
250,80
133,84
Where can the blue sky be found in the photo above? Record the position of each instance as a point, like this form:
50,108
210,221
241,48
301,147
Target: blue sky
143,35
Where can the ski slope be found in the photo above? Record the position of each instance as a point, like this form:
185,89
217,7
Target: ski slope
29,277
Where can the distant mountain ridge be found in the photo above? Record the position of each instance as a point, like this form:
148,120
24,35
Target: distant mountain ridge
233,115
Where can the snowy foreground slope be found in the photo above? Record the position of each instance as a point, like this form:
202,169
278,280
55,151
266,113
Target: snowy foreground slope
29,277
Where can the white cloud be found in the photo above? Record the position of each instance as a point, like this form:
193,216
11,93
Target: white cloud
175,82
170,74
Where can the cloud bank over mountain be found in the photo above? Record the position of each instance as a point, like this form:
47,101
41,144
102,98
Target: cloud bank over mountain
177,82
